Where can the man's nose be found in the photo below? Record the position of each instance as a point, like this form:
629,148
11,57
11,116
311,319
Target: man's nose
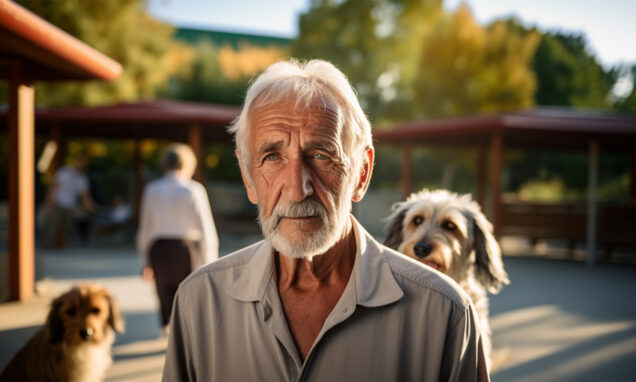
298,180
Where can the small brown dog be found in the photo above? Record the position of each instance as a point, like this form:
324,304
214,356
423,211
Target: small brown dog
75,342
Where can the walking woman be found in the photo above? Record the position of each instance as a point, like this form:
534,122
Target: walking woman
176,229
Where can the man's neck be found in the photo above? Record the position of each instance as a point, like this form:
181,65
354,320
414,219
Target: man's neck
309,290
334,266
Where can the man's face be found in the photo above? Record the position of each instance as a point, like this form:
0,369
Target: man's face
301,177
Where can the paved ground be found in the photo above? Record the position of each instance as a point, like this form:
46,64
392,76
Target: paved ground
557,321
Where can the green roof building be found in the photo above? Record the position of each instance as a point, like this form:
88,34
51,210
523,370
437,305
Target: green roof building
193,36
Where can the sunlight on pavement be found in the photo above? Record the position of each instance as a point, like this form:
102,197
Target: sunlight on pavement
548,342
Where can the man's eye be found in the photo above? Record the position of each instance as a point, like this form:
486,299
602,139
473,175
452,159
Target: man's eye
321,156
271,157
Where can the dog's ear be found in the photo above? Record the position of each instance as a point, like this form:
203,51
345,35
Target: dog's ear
54,322
394,228
488,263
115,319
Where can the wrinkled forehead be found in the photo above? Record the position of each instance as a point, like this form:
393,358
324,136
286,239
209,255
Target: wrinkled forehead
296,100
317,112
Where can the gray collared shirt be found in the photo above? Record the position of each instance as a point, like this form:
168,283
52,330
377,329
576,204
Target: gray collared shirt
396,320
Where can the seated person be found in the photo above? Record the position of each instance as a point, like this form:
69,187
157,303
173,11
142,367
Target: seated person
115,219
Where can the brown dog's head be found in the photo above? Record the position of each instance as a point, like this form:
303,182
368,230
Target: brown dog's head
87,313
448,232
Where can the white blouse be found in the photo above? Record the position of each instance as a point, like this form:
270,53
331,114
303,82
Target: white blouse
177,208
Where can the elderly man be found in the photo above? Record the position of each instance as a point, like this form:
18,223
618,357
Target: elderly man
319,298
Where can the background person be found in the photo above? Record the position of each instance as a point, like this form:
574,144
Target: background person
67,186
176,229
319,298
114,219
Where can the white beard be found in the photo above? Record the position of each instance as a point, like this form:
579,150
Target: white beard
310,244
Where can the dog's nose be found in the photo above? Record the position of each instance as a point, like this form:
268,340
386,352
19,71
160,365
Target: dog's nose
86,333
422,249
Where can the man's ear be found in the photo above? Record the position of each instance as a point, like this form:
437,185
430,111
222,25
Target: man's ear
365,175
251,192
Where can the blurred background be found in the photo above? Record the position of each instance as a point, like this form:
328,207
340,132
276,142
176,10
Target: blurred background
408,61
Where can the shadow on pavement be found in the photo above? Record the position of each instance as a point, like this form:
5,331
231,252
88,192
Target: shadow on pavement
561,320
12,340
139,327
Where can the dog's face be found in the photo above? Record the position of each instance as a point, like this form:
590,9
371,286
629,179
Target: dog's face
449,233
85,314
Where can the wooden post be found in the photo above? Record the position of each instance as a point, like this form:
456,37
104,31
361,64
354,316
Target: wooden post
21,186
58,158
407,169
138,179
592,189
632,173
480,176
194,140
496,158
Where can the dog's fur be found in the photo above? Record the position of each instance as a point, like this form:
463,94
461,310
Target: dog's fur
450,233
75,342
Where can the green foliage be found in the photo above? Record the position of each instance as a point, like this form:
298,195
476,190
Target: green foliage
562,175
220,163
343,33
432,168
120,29
203,79
628,102
568,74
408,59
467,69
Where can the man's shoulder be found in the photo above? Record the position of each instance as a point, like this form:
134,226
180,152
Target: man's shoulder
222,270
418,278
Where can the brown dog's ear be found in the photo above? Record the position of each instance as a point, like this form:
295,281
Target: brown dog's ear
115,319
395,236
488,263
54,322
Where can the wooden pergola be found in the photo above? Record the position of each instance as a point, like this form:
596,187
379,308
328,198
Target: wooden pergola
538,128
189,122
31,50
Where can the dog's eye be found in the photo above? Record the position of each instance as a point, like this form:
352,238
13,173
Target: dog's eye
70,312
95,310
449,226
418,220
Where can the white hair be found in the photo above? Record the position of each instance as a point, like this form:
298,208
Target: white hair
316,79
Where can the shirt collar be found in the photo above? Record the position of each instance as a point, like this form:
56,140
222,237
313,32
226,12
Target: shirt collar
372,277
173,175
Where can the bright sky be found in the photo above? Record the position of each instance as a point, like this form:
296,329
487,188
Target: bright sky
609,25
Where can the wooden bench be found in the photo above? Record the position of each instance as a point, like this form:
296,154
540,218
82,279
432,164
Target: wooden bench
616,224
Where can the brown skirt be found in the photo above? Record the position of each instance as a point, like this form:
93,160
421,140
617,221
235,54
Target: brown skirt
171,260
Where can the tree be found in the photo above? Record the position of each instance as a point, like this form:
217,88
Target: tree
345,34
372,42
568,75
466,68
122,30
628,101
409,59
221,75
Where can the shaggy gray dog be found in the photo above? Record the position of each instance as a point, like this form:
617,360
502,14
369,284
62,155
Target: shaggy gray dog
449,233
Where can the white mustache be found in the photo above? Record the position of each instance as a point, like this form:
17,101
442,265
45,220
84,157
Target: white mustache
303,209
